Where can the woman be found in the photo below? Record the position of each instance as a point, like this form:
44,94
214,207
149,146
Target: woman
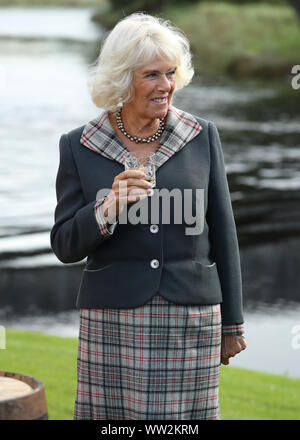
160,309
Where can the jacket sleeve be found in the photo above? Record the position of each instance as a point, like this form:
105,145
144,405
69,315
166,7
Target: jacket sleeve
223,236
75,232
237,329
105,228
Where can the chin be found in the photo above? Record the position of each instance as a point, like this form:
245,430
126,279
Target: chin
162,113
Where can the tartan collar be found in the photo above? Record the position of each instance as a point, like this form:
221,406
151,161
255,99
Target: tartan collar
181,127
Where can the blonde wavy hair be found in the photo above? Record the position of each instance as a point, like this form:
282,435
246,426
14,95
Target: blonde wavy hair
135,41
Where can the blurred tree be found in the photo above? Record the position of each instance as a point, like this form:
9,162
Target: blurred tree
129,6
296,5
135,5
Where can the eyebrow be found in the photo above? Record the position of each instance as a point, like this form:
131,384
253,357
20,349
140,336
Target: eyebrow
158,71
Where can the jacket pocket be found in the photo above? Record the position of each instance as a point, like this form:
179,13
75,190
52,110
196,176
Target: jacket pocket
206,265
97,270
208,277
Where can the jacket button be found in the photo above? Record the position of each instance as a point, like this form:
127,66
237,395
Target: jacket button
154,229
154,264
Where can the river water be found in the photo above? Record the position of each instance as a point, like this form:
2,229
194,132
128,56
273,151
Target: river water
44,54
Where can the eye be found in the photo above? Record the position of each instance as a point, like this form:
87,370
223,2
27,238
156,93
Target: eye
171,73
151,75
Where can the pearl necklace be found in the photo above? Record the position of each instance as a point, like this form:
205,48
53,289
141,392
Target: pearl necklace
149,139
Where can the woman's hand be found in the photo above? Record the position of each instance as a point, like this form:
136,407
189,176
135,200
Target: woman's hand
127,187
230,346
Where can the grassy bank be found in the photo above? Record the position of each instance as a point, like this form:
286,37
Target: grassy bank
244,395
256,39
82,3
244,40
48,358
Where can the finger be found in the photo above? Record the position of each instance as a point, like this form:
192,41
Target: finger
234,345
133,198
223,350
138,182
123,193
137,174
123,186
243,344
225,360
241,340
135,191
235,349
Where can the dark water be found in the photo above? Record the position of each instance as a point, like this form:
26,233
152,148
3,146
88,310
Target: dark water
43,71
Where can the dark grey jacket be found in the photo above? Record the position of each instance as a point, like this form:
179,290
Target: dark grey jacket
127,268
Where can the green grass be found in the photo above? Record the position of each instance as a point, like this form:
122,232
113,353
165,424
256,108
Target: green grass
48,358
251,395
260,39
223,35
244,394
82,3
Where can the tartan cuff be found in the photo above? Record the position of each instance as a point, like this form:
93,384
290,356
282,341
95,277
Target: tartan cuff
234,329
105,229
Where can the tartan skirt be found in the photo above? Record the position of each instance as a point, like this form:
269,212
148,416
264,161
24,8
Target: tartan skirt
157,361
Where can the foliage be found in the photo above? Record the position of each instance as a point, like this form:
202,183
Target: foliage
244,2
249,40
41,3
151,6
127,6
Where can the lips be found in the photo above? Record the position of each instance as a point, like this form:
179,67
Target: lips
160,100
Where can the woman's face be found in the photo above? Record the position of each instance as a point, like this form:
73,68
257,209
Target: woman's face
153,85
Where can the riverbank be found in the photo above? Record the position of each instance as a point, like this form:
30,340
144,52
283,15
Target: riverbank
244,395
252,40
64,3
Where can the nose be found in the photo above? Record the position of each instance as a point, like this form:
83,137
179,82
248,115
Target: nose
164,84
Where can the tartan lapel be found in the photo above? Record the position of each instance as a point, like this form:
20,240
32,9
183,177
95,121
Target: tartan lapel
181,128
99,136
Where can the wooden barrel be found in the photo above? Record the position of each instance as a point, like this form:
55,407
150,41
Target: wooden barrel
21,397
